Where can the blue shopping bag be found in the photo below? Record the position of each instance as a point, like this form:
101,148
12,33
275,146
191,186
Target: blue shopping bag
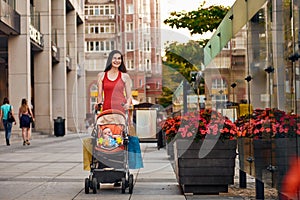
135,160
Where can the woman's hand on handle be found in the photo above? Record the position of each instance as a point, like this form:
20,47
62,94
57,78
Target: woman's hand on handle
126,106
98,107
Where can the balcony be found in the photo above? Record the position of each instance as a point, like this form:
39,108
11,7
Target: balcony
9,19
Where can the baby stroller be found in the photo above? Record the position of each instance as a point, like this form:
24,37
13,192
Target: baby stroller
110,152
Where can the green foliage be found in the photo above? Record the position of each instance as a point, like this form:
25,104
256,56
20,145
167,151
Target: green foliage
199,21
171,80
166,98
184,58
181,59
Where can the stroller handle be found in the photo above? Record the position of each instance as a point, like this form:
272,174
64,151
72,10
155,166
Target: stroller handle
98,108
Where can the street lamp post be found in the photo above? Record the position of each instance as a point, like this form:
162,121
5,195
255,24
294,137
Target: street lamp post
248,79
221,94
293,58
233,85
270,70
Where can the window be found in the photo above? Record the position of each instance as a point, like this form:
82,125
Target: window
107,46
219,99
129,45
100,46
129,26
95,10
97,29
93,97
147,45
219,84
148,66
129,9
112,45
100,28
129,64
157,85
106,10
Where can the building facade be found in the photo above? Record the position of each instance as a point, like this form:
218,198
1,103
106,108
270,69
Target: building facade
133,27
41,59
271,49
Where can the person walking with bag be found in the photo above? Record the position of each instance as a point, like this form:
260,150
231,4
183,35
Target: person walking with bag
25,118
7,116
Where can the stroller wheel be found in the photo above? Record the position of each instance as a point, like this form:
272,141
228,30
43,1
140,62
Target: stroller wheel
94,184
87,185
130,183
123,185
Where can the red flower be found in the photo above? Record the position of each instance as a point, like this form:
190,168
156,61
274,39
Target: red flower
268,123
198,124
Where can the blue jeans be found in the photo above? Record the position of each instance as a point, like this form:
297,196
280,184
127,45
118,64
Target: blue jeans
7,127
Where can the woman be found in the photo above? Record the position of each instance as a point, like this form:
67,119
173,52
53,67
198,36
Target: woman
114,88
113,82
25,117
5,108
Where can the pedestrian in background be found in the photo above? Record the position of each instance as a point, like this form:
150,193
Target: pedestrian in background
25,117
5,108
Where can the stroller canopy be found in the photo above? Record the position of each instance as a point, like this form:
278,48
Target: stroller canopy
111,116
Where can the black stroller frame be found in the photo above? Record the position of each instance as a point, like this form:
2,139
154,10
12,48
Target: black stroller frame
109,167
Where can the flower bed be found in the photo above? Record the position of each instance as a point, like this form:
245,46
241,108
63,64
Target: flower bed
201,139
274,138
198,125
268,123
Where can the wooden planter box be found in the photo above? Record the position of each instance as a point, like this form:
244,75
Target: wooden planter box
246,157
284,151
263,160
210,174
270,158
170,149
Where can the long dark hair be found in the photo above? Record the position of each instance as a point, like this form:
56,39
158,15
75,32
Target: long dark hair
5,100
122,67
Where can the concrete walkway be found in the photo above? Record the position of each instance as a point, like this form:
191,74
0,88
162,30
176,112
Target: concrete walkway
52,168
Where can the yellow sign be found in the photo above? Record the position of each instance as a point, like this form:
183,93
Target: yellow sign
219,91
244,109
94,94
134,93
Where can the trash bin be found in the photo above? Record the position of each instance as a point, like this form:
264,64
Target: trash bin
59,126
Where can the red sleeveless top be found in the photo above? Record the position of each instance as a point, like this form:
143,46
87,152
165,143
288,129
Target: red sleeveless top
113,93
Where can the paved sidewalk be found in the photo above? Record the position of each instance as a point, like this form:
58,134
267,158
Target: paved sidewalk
16,137
52,168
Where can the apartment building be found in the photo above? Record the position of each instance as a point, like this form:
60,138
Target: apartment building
41,59
225,75
133,27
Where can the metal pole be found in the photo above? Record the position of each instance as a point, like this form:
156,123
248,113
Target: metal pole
185,88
